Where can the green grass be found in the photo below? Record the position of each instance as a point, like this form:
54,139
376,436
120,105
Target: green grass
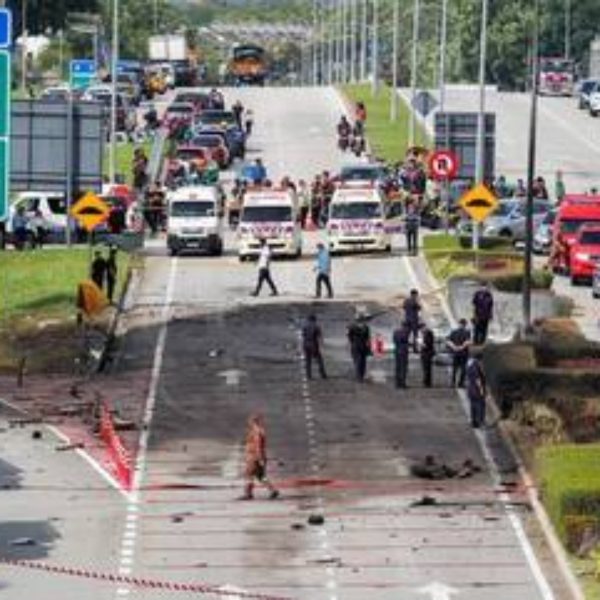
124,159
42,285
389,139
570,483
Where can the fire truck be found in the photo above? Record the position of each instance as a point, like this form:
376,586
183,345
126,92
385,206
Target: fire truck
556,77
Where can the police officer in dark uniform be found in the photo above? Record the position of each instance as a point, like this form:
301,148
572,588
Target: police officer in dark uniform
312,337
359,336
476,391
401,345
459,341
412,319
427,355
483,312
111,273
412,230
98,270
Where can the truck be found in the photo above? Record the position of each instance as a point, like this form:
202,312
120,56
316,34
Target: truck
556,77
167,47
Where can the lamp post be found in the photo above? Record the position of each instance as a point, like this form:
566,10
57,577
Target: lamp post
395,43
443,41
568,14
353,38
413,70
113,98
315,47
363,40
375,50
24,44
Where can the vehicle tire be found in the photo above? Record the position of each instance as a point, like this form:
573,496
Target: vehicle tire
173,251
242,258
574,280
298,253
505,233
30,241
596,295
218,249
593,113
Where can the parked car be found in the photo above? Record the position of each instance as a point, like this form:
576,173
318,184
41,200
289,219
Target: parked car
180,112
198,99
234,138
584,255
586,88
542,238
216,145
594,101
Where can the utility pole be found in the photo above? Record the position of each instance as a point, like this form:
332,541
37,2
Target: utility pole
395,44
413,72
156,16
480,155
345,41
340,42
331,53
375,51
24,44
568,13
314,39
443,42
531,159
353,38
363,40
323,42
113,98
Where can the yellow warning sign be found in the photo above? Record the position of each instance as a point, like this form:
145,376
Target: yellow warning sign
90,211
479,203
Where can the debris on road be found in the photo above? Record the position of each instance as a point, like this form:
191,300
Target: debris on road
297,526
424,501
316,520
36,435
67,447
24,541
431,469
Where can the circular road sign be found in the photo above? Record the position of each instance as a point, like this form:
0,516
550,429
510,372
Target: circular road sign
443,164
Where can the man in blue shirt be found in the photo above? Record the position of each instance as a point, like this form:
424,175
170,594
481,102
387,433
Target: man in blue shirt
323,269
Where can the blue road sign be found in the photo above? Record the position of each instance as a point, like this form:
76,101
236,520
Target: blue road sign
82,72
5,28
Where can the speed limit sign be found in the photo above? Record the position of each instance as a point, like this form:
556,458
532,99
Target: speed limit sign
443,164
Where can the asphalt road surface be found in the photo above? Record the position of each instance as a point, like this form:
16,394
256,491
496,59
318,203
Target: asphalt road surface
210,355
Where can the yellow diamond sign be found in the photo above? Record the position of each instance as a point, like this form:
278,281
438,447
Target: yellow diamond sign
479,203
90,211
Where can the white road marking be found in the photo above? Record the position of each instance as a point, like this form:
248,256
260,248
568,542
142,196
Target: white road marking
438,591
232,376
532,561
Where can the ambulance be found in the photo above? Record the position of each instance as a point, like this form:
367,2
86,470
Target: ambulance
269,214
357,220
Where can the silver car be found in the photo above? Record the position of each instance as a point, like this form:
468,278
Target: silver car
508,220
542,238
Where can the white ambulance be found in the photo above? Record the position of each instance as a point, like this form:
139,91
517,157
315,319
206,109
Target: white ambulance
270,214
356,220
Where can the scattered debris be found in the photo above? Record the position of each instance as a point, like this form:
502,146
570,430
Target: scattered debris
67,447
123,424
425,501
316,520
24,541
327,560
431,469
215,353
36,435
297,526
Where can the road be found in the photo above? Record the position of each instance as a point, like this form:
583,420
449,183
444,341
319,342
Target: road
209,355
567,137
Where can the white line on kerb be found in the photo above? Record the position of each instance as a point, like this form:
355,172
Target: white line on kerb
532,561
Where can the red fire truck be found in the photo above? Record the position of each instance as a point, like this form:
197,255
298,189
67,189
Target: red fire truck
556,77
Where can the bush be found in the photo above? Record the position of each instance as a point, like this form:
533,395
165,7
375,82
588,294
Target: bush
570,487
541,279
487,243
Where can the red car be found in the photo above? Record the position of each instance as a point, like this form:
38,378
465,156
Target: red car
179,112
584,254
216,147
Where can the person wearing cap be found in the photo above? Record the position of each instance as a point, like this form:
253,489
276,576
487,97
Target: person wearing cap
458,342
401,351
323,269
359,336
312,338
483,313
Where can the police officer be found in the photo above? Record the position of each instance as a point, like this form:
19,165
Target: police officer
459,341
98,269
359,336
483,312
312,337
412,310
401,345
476,391
111,273
427,355
412,230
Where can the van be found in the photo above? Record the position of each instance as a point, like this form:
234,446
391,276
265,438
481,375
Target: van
574,212
51,206
357,220
270,214
195,220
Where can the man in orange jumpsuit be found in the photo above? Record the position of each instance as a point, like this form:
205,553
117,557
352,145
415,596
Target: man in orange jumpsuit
256,458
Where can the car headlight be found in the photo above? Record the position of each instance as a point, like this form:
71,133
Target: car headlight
490,230
582,256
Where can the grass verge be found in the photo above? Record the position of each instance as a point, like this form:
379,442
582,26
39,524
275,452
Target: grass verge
389,139
124,159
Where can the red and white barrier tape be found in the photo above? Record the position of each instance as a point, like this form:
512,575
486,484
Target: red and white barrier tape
198,588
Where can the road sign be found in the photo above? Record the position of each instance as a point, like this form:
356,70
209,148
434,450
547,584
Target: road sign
90,211
82,73
443,164
479,203
5,28
424,103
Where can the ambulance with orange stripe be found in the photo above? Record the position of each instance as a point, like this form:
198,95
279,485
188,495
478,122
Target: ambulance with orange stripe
356,220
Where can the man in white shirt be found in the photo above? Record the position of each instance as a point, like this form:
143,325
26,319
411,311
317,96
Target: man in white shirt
264,269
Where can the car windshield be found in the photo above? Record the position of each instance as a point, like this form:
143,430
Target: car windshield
208,118
588,86
573,225
197,208
258,214
179,109
360,174
356,210
190,155
505,209
207,141
591,238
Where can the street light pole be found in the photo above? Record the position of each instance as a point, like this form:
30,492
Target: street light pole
395,44
375,51
530,175
568,12
314,39
323,42
24,44
413,72
113,98
363,40
443,42
331,53
353,40
345,41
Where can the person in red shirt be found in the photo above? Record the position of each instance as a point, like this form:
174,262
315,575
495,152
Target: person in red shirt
256,458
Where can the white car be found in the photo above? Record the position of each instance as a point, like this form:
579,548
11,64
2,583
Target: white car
594,102
195,220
